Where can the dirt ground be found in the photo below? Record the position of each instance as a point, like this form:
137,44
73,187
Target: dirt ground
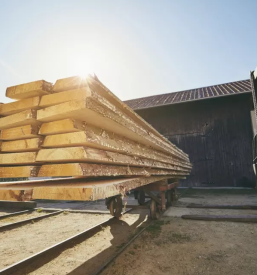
24,241
18,218
176,246
171,245
87,256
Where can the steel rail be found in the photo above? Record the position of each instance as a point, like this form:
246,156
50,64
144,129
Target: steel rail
109,261
23,263
15,214
10,226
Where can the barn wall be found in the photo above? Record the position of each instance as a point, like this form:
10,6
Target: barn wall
217,135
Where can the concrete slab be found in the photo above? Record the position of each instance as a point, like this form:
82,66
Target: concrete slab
179,211
228,197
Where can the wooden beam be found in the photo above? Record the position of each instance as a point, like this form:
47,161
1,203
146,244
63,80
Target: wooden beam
82,189
19,171
94,109
99,170
61,126
98,138
23,145
11,195
19,106
18,158
86,154
19,119
95,191
31,89
161,187
21,132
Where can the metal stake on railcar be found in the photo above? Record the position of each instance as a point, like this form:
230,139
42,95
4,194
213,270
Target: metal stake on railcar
253,78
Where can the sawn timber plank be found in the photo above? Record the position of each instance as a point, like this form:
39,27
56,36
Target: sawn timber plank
93,111
98,138
31,89
80,189
61,127
19,119
86,154
18,158
19,171
94,84
21,132
23,145
19,106
100,170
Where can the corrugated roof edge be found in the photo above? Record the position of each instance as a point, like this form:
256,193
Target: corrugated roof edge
246,90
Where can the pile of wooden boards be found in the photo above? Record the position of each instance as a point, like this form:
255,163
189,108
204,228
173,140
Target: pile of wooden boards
78,128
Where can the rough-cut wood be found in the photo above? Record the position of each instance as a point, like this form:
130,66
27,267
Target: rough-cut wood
69,83
61,126
19,119
85,154
31,89
57,98
80,189
77,82
11,195
23,145
88,93
92,191
19,106
99,170
18,158
102,90
99,138
19,171
21,132
92,110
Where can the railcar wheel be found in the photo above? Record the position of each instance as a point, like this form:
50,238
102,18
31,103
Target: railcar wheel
141,197
154,211
115,206
169,198
175,194
136,195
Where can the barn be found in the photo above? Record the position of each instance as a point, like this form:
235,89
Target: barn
213,125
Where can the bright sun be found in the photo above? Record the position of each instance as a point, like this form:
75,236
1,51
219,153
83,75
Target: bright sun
82,68
84,59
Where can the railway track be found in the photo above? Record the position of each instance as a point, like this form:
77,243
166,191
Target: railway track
55,250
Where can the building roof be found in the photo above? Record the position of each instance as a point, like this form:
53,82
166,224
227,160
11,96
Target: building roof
231,88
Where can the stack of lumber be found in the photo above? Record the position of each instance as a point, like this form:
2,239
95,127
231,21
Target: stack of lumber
78,128
19,127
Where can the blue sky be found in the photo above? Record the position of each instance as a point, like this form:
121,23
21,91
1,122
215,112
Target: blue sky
137,48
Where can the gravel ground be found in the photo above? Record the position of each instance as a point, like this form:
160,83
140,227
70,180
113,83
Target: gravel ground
183,247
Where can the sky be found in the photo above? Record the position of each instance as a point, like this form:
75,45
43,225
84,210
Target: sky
137,48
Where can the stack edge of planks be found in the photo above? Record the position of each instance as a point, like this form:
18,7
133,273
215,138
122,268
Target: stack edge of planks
78,128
